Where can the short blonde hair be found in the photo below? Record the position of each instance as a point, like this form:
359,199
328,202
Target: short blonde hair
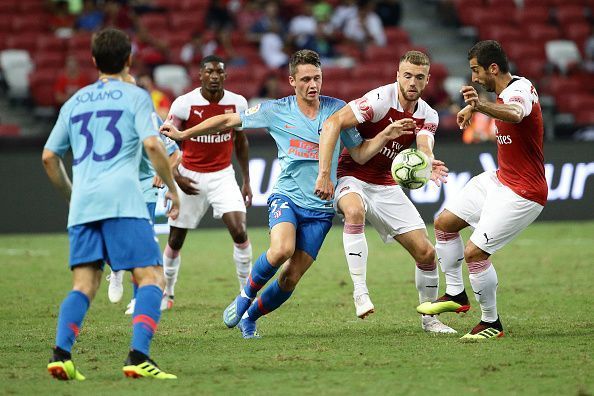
416,58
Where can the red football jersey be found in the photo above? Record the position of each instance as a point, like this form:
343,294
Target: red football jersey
520,146
209,153
374,111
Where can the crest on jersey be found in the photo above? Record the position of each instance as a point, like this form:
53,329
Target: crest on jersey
253,110
365,108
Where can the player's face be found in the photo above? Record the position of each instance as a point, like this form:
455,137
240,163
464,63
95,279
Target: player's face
212,76
482,76
307,82
412,80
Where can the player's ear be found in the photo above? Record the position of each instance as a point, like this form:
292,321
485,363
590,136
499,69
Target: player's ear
94,61
292,81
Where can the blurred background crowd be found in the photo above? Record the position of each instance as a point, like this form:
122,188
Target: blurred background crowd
45,57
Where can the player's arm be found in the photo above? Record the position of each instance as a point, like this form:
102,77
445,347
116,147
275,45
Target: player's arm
241,147
343,118
513,113
54,167
369,148
214,124
156,153
439,172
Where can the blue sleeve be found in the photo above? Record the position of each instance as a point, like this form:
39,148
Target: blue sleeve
351,137
59,140
258,116
146,121
170,145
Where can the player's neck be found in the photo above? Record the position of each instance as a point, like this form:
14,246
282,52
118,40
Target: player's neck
407,105
116,76
212,96
502,82
308,108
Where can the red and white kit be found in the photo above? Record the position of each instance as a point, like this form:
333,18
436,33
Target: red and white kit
207,159
388,209
500,204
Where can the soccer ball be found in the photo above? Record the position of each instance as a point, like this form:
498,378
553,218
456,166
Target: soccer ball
411,169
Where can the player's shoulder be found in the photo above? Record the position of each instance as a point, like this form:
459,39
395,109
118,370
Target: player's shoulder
332,102
519,83
194,97
424,109
231,97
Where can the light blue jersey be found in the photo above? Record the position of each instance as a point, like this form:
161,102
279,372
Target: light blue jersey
105,124
297,138
146,170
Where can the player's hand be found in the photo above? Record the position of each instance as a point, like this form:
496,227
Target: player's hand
405,126
171,132
439,172
158,182
172,204
324,187
464,117
246,193
470,96
186,184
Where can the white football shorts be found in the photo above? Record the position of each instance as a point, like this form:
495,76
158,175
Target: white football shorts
496,213
218,189
387,208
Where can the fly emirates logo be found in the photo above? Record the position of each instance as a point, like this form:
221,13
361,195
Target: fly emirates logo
217,138
503,139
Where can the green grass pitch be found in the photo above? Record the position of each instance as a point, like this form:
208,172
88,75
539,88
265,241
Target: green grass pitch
314,344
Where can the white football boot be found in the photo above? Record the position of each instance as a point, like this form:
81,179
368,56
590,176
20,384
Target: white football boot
116,288
363,306
431,324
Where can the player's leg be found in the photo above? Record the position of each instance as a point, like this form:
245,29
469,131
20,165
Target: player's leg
277,293
350,202
313,226
242,248
86,279
465,210
172,262
131,245
426,274
151,207
283,223
192,209
504,216
356,251
282,246
227,201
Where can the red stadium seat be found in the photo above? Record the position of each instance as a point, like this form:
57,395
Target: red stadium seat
569,14
31,6
185,20
542,33
559,86
382,54
10,130
154,22
503,34
48,59
519,50
531,15
48,42
24,40
29,23
584,117
80,41
575,102
532,69
396,35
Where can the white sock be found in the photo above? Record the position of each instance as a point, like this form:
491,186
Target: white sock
355,250
483,279
450,252
242,255
427,283
171,268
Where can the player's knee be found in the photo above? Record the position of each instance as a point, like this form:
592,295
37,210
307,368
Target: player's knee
473,253
354,214
288,280
426,255
175,243
238,233
440,223
281,253
89,289
152,275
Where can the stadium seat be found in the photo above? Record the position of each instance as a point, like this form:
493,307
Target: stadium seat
42,87
80,41
518,50
558,86
584,117
532,69
568,14
395,35
563,54
16,65
503,34
9,130
578,32
46,42
24,40
173,77
541,33
452,85
575,102
533,15
29,23
49,60
154,23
